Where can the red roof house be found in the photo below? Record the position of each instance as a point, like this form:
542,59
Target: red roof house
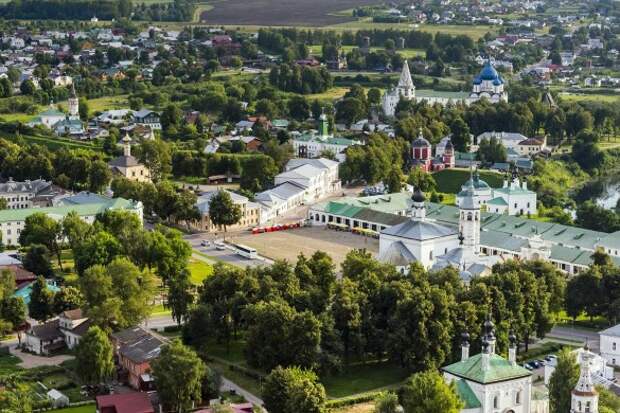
124,403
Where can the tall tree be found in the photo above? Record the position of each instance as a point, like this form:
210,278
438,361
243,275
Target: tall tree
42,229
94,357
428,392
563,381
223,211
41,302
37,260
178,373
293,389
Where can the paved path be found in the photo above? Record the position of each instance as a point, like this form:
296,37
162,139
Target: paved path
228,385
30,361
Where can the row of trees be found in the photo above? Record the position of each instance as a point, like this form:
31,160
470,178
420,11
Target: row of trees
300,316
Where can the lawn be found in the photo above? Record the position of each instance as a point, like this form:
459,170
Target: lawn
232,354
451,180
473,31
107,102
89,408
53,143
317,50
9,364
199,270
332,94
590,97
359,378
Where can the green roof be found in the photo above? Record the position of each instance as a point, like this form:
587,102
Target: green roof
467,395
498,201
51,112
11,215
514,191
499,369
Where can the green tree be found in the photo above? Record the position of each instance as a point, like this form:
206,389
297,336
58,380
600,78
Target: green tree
180,297
386,402
99,176
491,151
41,229
178,373
293,390
37,260
428,392
563,381
68,298
394,181
94,362
84,109
422,180
41,302
223,211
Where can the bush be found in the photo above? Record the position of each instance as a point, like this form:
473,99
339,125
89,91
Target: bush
351,400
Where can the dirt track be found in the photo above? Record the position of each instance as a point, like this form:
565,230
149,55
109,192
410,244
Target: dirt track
280,12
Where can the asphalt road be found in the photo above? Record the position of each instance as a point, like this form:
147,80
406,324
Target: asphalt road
578,335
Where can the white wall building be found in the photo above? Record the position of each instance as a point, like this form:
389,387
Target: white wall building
610,345
489,383
512,199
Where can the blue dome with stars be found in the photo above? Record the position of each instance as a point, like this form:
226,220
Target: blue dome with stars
489,73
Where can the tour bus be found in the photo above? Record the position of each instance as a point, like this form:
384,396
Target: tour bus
246,251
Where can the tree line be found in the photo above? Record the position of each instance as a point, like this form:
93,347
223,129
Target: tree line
299,315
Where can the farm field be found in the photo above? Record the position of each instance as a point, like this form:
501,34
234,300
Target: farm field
590,97
280,12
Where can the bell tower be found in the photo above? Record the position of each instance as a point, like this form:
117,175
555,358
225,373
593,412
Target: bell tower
469,218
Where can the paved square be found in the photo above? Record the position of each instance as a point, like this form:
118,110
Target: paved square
289,244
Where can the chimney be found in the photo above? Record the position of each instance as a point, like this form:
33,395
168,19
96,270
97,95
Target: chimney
505,183
512,349
524,185
465,346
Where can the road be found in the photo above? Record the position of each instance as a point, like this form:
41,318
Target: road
578,335
228,385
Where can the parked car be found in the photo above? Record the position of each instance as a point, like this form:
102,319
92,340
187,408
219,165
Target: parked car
205,243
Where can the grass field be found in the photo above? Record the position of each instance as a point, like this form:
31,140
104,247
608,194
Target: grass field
451,180
89,408
361,378
590,97
317,50
107,103
199,271
473,31
53,143
368,407
9,364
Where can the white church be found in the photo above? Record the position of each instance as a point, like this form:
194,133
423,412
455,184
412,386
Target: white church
488,84
435,245
513,198
489,383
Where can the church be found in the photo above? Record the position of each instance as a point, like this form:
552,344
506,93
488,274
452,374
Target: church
488,382
438,246
513,198
422,155
62,124
488,84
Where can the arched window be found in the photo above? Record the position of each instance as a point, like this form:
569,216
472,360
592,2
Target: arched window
469,217
579,406
518,397
587,407
496,402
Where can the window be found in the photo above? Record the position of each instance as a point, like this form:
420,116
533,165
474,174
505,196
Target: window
496,402
430,255
587,407
518,397
613,346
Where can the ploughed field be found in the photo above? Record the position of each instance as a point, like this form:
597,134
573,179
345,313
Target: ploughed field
281,12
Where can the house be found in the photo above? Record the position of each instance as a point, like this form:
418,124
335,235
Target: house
531,146
12,264
128,166
146,117
66,330
114,117
29,194
12,221
318,176
610,345
602,374
135,348
280,199
312,144
250,211
124,403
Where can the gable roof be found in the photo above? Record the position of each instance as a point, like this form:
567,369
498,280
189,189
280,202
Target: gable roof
419,230
124,403
467,395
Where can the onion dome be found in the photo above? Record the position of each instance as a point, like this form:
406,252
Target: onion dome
449,145
489,329
488,72
421,142
418,196
512,338
465,338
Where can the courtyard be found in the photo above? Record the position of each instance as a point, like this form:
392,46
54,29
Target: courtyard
289,244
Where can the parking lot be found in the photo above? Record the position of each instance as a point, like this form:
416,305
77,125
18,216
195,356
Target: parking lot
289,244
228,255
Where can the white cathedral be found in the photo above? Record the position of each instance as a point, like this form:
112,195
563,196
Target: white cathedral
488,84
437,246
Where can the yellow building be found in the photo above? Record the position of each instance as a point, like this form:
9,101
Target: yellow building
250,212
128,166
